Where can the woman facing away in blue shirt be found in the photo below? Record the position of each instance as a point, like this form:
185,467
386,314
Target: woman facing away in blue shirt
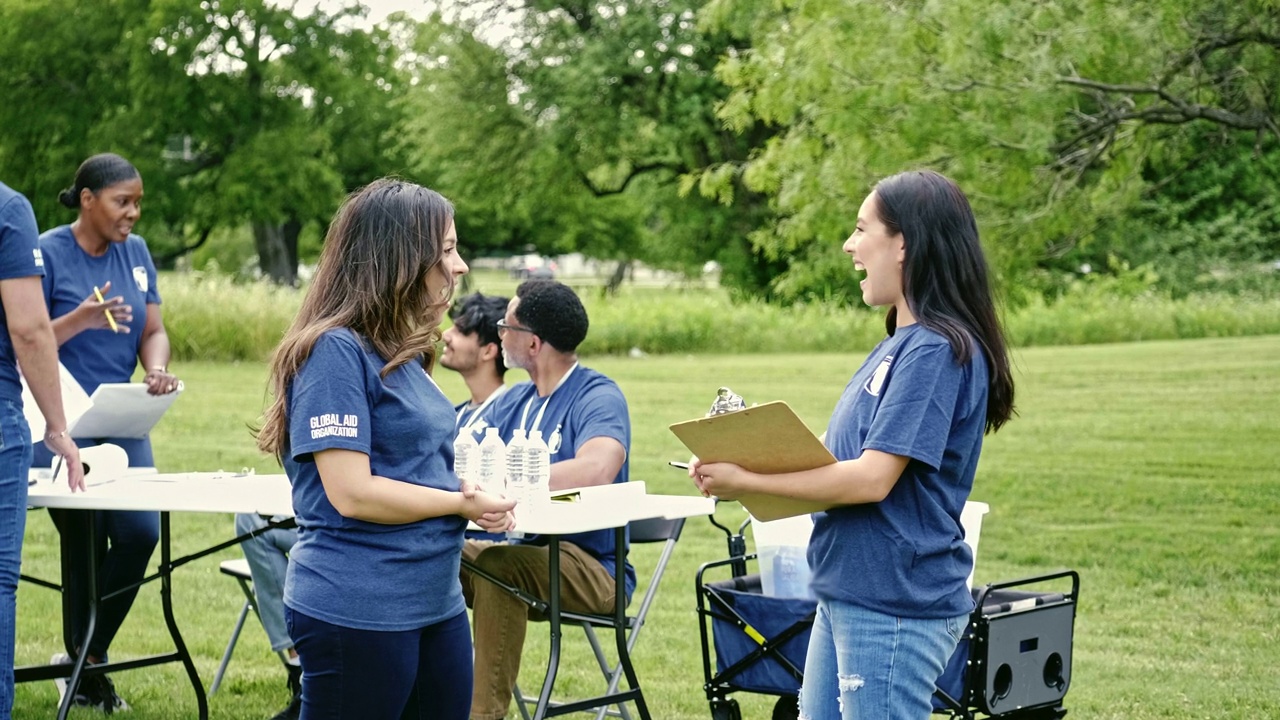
99,251
889,560
372,598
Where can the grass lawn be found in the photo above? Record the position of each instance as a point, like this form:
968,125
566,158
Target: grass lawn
1150,468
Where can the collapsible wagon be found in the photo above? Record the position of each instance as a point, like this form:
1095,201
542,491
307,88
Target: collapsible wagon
1013,663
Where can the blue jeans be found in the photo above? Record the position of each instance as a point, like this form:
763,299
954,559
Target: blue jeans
422,674
865,665
15,460
268,556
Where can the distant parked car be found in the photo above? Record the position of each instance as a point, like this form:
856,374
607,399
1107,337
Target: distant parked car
532,266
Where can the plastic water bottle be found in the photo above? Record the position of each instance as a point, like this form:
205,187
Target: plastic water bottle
537,471
791,573
465,452
517,483
493,461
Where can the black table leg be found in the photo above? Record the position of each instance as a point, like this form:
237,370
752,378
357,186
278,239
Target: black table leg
79,582
553,617
166,602
620,621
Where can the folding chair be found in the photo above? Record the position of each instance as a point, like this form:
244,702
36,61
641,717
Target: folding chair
238,569
656,530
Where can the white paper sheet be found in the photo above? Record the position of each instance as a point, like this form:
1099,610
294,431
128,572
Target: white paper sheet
122,410
75,402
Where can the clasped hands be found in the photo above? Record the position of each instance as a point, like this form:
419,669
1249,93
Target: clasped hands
493,513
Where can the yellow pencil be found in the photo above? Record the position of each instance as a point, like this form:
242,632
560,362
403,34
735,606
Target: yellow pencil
110,320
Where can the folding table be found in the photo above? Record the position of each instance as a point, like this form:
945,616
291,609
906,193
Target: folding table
142,489
598,508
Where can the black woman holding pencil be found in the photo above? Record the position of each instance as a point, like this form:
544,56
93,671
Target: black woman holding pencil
100,287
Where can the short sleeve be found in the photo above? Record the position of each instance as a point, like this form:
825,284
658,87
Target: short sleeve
602,412
19,249
918,405
329,405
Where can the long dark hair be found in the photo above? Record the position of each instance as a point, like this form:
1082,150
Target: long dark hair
372,278
945,275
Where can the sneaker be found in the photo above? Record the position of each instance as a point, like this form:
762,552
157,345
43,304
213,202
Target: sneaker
294,682
100,693
61,683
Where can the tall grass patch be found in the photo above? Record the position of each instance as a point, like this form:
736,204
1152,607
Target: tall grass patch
211,317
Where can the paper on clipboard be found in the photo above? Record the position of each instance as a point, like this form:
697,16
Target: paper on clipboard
122,410
768,439
75,402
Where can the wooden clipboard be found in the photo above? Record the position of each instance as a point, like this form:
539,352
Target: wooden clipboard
767,439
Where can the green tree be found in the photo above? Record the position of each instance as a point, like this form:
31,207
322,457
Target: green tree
237,113
580,131
276,115
1044,112
63,83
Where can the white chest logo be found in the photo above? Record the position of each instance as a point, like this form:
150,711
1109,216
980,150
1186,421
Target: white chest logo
140,278
553,442
876,382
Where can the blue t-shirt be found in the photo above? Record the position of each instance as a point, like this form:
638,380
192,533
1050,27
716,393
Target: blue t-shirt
99,356
19,257
906,555
472,417
354,573
586,405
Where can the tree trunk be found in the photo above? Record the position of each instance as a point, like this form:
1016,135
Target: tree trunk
277,246
615,280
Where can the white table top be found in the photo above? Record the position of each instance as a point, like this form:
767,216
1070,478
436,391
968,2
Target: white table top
175,492
596,508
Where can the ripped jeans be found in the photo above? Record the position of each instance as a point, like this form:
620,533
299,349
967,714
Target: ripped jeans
865,665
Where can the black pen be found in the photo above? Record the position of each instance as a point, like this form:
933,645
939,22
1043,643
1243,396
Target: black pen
681,465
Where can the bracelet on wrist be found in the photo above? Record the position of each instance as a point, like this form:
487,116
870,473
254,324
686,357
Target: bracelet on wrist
55,435
159,368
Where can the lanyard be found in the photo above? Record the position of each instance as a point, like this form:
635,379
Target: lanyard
537,420
475,414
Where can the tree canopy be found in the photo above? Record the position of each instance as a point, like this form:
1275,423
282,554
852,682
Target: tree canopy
1090,135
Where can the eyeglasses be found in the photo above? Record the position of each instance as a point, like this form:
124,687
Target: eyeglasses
504,325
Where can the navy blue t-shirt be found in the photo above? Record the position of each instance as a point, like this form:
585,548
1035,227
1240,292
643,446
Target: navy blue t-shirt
99,356
586,405
19,257
906,555
354,573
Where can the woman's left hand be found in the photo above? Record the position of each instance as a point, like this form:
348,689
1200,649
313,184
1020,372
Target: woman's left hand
497,522
160,381
723,480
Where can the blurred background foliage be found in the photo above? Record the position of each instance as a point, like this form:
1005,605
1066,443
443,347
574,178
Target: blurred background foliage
1133,148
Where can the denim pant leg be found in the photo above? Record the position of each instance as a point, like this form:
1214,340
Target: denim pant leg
867,664
268,557
15,460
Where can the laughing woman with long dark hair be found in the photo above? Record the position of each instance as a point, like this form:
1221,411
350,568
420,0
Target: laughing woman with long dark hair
889,559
